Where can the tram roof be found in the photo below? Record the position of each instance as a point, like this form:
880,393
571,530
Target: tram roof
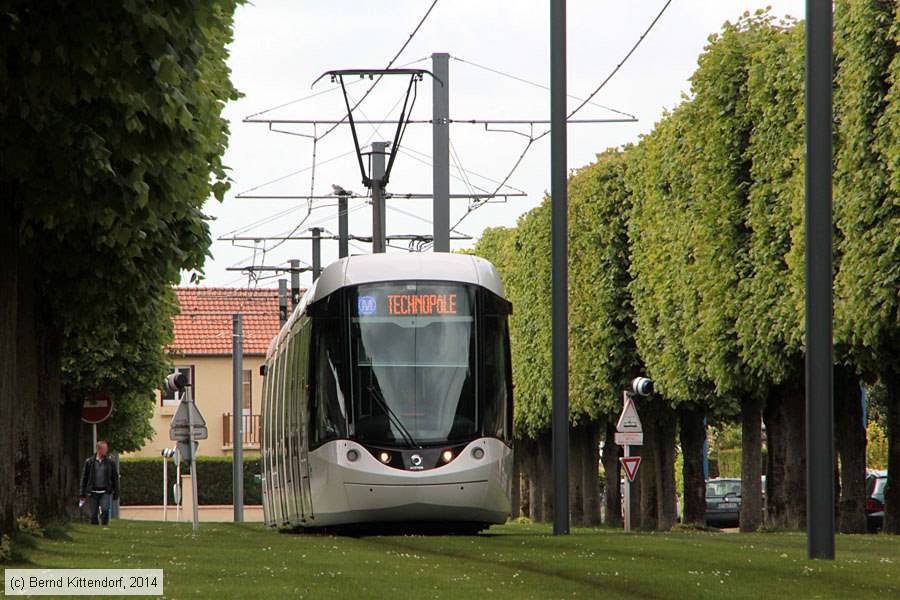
378,268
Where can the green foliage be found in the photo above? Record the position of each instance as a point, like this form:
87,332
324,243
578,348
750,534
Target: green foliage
142,480
876,446
111,139
770,323
664,287
729,462
29,525
603,355
867,306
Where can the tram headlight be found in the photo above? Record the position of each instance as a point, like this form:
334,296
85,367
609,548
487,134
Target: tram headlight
352,455
447,456
478,453
385,457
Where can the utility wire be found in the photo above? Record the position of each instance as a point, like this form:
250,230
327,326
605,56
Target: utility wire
603,83
624,60
389,65
541,86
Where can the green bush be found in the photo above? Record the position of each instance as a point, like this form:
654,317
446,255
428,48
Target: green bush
730,462
142,480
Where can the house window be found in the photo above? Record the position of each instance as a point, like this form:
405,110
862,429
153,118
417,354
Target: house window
247,392
171,398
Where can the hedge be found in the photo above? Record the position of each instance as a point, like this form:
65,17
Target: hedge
142,480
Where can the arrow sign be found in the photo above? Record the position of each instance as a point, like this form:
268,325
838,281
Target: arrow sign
182,434
629,422
631,464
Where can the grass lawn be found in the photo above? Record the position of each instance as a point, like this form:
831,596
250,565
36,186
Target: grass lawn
225,560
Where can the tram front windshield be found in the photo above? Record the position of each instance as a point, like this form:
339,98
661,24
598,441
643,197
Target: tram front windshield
413,357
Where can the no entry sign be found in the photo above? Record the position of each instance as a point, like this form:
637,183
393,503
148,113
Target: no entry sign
97,408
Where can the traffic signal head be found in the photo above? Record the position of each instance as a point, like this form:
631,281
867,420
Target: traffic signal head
642,386
176,382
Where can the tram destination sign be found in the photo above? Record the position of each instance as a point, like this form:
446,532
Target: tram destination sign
395,301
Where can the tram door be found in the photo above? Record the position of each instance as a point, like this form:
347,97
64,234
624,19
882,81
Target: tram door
302,464
292,386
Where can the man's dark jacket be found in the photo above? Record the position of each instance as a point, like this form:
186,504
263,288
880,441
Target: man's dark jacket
87,477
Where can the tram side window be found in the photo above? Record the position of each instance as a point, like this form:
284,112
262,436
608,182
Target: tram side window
496,378
327,405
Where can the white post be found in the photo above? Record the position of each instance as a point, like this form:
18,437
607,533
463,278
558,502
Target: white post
94,428
627,495
165,486
176,488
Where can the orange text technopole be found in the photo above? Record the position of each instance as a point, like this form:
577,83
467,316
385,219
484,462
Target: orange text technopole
422,304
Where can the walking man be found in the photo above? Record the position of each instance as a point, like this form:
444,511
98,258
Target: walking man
99,482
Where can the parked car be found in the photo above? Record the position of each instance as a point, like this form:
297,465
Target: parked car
723,502
875,482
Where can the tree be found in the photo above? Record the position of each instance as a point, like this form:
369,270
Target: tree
112,139
603,356
770,324
720,134
666,302
868,216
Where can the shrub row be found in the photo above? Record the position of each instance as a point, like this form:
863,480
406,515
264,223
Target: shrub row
142,480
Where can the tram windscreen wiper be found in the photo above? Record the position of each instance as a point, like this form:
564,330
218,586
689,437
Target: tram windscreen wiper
376,393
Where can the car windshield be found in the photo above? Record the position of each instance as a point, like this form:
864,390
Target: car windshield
875,487
722,488
413,363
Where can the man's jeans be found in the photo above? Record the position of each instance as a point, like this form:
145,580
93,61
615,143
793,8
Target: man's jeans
99,501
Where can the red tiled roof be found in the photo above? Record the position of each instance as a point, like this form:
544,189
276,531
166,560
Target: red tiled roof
204,326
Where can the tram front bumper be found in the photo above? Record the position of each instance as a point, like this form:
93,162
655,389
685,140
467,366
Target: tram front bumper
467,489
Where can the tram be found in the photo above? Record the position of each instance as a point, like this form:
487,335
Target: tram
387,398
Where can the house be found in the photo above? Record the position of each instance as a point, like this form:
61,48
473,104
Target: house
202,350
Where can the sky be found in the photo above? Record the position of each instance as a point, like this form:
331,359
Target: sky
281,47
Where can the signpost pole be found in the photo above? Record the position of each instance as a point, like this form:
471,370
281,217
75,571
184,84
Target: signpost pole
237,418
189,398
627,494
94,429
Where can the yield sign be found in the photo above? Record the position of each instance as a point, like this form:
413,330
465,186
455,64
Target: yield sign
629,421
631,464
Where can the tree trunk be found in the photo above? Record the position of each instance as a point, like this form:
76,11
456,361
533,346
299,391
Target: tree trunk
850,440
28,368
590,476
545,454
775,455
892,491
535,484
47,424
515,486
795,459
647,474
664,463
8,351
751,464
612,499
576,456
72,455
693,434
